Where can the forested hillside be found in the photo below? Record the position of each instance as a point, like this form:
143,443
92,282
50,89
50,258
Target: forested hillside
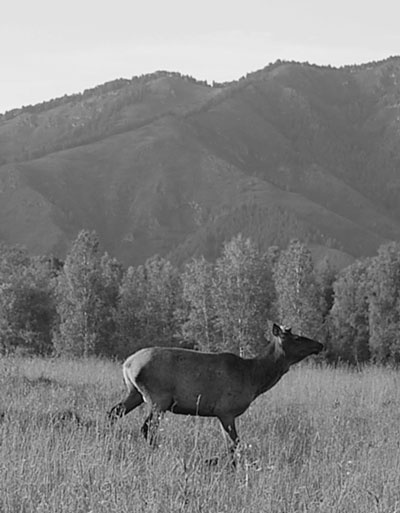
91,305
164,164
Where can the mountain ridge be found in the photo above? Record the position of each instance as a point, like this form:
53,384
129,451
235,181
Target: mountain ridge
171,165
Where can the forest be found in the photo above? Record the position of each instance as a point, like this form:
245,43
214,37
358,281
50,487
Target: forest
89,304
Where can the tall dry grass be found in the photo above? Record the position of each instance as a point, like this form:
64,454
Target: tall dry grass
323,440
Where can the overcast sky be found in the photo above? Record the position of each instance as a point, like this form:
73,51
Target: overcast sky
49,48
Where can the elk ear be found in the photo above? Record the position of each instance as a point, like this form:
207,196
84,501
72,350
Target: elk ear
276,330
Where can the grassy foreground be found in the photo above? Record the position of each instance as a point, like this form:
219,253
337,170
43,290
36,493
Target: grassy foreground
322,440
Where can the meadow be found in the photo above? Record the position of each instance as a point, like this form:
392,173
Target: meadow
322,440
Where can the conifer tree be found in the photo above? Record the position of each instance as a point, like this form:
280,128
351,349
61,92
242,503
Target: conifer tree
27,305
384,298
348,319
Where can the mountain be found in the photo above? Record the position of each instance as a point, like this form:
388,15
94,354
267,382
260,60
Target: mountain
166,164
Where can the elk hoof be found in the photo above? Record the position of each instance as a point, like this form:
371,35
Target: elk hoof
212,462
116,412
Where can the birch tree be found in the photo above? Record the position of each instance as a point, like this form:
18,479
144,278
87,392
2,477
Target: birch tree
298,296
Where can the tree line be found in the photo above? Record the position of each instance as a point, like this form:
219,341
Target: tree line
90,305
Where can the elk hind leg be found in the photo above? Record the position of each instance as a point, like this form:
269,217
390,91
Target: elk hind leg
150,427
133,400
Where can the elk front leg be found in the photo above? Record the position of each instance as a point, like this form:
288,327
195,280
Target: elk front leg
229,427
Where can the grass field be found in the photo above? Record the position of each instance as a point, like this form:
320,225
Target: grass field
322,440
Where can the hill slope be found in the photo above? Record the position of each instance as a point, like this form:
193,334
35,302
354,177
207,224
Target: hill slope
165,164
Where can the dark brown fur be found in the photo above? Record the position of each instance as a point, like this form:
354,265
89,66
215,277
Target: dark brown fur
221,385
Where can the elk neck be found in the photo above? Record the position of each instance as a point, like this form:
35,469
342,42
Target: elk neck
268,369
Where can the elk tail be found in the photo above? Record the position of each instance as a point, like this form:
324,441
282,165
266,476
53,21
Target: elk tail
127,379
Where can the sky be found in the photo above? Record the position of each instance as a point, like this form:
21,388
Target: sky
49,48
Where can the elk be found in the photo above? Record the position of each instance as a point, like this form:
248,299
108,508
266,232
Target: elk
221,385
